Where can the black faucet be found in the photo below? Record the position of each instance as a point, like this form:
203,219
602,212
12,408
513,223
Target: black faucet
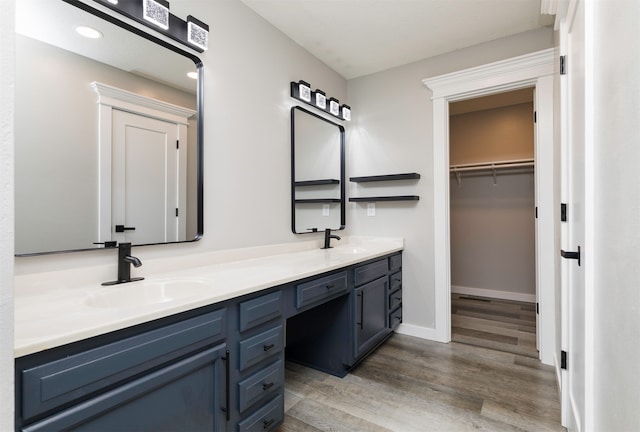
125,259
327,238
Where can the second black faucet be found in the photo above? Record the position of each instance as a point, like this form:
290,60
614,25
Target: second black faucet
327,238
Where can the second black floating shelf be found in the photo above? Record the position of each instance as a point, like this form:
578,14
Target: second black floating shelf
386,198
386,177
317,201
317,182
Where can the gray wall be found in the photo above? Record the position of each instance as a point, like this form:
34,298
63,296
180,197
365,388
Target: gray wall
617,218
393,133
247,69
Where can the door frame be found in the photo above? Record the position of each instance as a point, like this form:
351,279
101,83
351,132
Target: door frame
110,98
530,70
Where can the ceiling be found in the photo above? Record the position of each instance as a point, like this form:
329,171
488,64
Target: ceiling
360,37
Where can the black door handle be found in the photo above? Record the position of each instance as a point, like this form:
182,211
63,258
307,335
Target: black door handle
571,255
122,228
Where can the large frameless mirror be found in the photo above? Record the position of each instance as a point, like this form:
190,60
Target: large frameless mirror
317,173
108,138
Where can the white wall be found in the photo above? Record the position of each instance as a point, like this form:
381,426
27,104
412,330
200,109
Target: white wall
392,133
617,217
7,64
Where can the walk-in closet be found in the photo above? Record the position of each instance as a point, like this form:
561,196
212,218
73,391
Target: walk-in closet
492,221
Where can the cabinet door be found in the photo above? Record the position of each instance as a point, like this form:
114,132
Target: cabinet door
187,395
371,315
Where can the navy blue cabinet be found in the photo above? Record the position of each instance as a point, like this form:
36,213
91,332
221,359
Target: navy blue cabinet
155,379
216,368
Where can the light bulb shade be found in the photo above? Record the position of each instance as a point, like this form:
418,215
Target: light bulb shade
304,91
197,33
334,107
346,112
320,99
156,12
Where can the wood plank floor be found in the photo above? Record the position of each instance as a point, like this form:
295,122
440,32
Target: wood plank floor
410,384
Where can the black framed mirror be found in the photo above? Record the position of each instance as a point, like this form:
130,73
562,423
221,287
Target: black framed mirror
317,173
108,137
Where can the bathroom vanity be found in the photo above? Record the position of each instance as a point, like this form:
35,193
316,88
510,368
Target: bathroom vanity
213,361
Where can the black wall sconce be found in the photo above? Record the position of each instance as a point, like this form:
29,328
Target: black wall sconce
301,91
155,14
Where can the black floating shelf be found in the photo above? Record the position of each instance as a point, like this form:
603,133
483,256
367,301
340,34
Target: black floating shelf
386,198
405,176
318,201
317,182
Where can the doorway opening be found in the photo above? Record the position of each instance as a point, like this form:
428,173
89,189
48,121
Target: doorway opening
492,222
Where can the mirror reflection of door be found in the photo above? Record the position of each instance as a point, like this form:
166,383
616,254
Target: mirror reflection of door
146,181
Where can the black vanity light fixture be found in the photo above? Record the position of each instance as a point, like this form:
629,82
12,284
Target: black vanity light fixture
301,91
155,14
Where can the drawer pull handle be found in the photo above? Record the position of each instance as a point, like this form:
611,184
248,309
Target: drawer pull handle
267,386
268,347
398,298
267,423
329,286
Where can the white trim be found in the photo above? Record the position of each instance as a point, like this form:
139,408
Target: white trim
496,294
417,331
132,102
519,72
504,75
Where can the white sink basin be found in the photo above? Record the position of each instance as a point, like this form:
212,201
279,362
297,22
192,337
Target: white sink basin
146,293
349,250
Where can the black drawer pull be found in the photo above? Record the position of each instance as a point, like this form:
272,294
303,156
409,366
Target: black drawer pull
267,386
398,298
399,318
267,423
268,347
329,286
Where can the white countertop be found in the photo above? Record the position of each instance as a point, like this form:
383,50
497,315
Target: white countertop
56,308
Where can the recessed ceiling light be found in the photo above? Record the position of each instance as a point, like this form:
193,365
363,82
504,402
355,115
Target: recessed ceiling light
192,75
89,32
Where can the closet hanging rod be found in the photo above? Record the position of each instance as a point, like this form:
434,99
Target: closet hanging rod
488,167
514,163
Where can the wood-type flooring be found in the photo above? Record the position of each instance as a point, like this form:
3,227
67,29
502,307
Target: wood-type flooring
488,378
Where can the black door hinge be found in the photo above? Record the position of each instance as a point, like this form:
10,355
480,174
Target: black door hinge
563,65
535,116
563,212
176,212
177,144
563,360
536,212
538,308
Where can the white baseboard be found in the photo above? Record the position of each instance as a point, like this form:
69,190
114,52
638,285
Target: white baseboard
417,331
504,295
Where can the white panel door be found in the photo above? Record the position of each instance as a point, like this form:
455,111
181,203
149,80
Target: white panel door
578,178
144,179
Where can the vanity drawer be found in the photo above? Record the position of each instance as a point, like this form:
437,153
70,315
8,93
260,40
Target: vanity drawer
395,318
260,310
260,385
395,299
266,418
395,281
369,272
320,290
52,384
395,262
261,346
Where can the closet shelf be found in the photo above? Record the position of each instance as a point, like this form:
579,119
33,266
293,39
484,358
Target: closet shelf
386,177
493,166
385,198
